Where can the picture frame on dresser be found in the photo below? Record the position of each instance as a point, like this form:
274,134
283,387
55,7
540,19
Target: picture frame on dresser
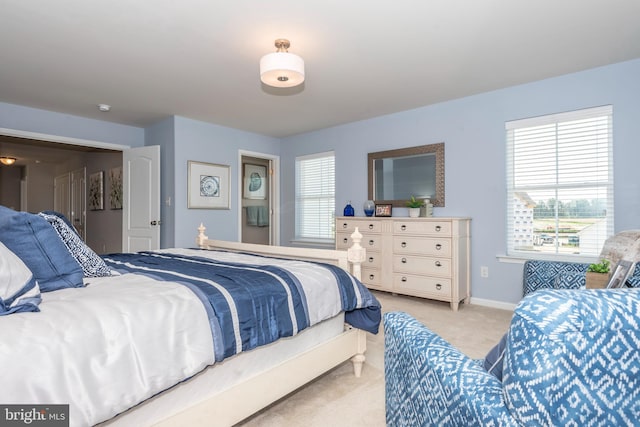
383,209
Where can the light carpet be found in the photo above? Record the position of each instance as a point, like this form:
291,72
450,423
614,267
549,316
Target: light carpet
338,398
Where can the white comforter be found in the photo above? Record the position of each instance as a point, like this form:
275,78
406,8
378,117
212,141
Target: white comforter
103,348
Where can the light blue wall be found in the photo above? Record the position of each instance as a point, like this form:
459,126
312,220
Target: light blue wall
51,123
205,142
473,131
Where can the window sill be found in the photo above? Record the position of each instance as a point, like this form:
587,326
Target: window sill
521,259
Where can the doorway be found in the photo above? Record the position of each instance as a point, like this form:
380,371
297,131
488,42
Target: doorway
70,198
58,167
258,214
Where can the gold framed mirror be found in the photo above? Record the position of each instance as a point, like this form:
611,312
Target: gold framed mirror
396,175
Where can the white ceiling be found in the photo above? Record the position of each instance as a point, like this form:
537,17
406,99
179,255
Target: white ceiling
150,59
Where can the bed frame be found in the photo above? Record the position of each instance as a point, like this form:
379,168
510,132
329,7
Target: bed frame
276,382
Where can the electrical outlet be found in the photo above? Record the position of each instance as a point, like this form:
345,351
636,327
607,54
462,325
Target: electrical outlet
484,271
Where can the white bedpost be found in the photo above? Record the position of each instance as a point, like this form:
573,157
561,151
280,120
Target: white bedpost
359,358
356,254
202,238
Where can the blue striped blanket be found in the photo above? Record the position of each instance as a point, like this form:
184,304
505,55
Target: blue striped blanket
253,300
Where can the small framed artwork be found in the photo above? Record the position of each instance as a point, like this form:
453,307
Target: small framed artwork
96,191
207,186
620,274
255,182
383,209
115,194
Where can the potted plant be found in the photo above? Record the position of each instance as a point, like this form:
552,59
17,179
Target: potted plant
414,207
598,275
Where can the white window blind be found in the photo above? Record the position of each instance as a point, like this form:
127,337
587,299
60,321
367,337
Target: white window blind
315,197
560,184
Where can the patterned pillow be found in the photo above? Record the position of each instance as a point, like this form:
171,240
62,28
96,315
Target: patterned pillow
19,291
38,245
62,217
92,265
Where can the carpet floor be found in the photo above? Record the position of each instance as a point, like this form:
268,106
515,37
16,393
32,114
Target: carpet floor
339,399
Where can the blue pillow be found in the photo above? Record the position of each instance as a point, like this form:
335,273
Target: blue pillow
92,265
493,361
37,244
19,291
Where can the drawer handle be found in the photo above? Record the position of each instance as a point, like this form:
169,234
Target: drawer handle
438,286
404,279
370,226
438,264
438,228
438,246
403,227
345,240
370,259
403,244
404,260
344,225
371,277
371,242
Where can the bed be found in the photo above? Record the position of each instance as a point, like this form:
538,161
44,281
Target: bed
150,344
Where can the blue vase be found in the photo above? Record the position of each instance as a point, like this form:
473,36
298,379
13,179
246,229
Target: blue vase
348,210
369,207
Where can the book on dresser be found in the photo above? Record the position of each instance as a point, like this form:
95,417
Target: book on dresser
422,257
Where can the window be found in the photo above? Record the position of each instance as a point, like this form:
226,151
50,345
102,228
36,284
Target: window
315,197
560,184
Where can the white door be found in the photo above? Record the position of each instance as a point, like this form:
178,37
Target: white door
141,199
62,195
78,212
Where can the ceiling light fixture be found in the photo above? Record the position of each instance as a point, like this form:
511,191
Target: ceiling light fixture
281,68
104,107
7,160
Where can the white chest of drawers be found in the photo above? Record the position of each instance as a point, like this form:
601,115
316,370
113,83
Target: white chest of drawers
423,257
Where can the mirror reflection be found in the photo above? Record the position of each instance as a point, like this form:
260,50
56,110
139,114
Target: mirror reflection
396,175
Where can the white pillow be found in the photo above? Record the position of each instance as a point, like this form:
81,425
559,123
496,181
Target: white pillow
19,291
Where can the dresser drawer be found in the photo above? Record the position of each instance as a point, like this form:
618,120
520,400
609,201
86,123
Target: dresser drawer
422,265
439,288
364,226
371,276
372,260
371,242
422,246
440,228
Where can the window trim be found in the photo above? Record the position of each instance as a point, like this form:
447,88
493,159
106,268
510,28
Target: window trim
313,240
558,118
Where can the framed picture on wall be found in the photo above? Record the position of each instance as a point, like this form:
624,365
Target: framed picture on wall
255,182
207,186
96,191
115,193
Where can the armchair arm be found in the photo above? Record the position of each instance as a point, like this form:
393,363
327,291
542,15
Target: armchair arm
429,382
553,275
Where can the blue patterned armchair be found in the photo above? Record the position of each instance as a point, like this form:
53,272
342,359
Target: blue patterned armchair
571,275
572,358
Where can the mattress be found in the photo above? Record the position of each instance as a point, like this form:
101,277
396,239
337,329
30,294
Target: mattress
222,376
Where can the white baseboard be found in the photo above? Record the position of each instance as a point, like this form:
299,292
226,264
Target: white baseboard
493,304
